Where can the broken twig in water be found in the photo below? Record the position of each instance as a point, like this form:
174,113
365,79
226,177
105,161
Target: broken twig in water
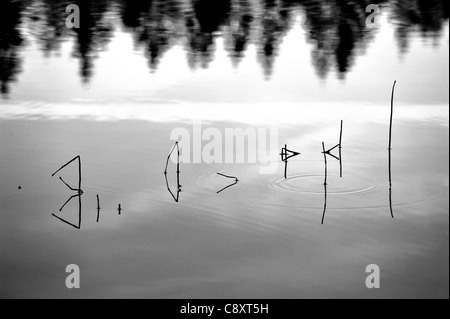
175,197
231,185
340,150
78,190
287,154
98,209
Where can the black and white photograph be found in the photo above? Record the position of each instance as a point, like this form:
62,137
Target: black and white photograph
224,150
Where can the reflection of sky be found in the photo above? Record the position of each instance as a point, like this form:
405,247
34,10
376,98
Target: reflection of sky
261,113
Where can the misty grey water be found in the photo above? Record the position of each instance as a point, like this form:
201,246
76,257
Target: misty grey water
115,90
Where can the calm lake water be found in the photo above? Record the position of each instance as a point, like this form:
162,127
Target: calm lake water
115,90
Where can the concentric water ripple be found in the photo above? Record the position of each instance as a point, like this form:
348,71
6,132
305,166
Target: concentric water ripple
313,184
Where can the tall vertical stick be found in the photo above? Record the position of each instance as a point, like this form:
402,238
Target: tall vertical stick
178,166
390,149
324,205
326,165
392,115
79,190
325,183
285,161
340,148
390,186
98,208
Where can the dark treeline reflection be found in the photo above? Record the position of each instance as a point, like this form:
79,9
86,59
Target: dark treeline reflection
335,28
10,43
47,19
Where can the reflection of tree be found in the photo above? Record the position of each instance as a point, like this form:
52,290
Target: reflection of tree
337,29
203,20
273,26
46,20
133,12
425,16
48,24
155,25
93,35
351,33
239,30
10,43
